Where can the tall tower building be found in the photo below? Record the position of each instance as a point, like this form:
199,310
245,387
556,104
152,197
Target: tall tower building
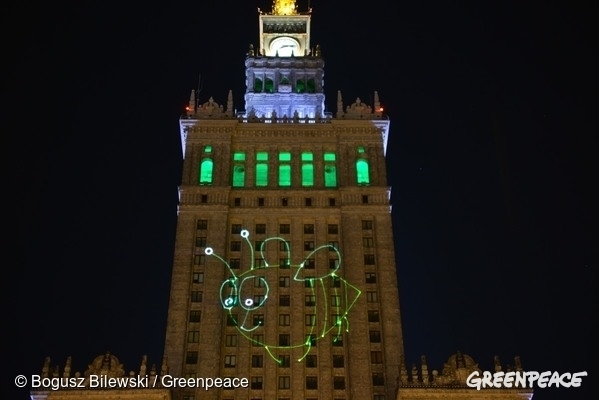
284,268
284,281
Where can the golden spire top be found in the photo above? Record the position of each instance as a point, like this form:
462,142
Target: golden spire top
284,7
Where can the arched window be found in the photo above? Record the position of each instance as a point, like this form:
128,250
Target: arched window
300,86
238,169
206,167
258,86
269,85
307,169
362,172
311,86
330,170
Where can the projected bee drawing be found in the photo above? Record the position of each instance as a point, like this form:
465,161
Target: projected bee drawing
245,293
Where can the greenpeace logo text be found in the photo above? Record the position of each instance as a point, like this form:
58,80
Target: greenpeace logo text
521,379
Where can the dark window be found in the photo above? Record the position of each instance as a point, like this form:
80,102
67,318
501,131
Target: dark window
237,201
311,361
338,361
331,202
308,246
370,277
338,341
376,357
310,300
284,300
196,296
375,336
235,245
338,382
369,259
284,339
284,228
284,319
201,242
284,202
309,282
373,316
309,263
284,360
258,319
204,198
364,199
308,228
257,339
236,228
193,336
311,338
260,201
311,382
368,242
257,361
231,319
191,357
371,297
284,382
335,282
202,224
378,379
333,229
260,228
256,382
333,263
235,263
308,201
198,277
367,224
231,340
230,361
284,263
284,281
195,316
199,259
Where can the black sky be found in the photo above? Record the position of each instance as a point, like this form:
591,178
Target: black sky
492,159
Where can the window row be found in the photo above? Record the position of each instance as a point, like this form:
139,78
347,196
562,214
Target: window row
332,229
284,360
284,170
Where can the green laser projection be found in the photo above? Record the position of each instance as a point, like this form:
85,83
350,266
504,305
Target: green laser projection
328,293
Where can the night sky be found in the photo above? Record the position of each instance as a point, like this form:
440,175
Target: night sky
492,160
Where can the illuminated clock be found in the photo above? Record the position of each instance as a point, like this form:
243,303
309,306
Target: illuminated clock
285,47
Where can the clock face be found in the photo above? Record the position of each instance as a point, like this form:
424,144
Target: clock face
285,47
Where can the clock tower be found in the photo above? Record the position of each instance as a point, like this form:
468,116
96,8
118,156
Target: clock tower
284,76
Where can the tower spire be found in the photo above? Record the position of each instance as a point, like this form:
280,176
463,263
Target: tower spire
284,7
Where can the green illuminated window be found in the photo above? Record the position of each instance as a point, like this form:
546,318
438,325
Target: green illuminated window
362,172
330,170
307,169
208,149
258,86
262,168
269,86
361,149
206,167
284,168
300,86
239,169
